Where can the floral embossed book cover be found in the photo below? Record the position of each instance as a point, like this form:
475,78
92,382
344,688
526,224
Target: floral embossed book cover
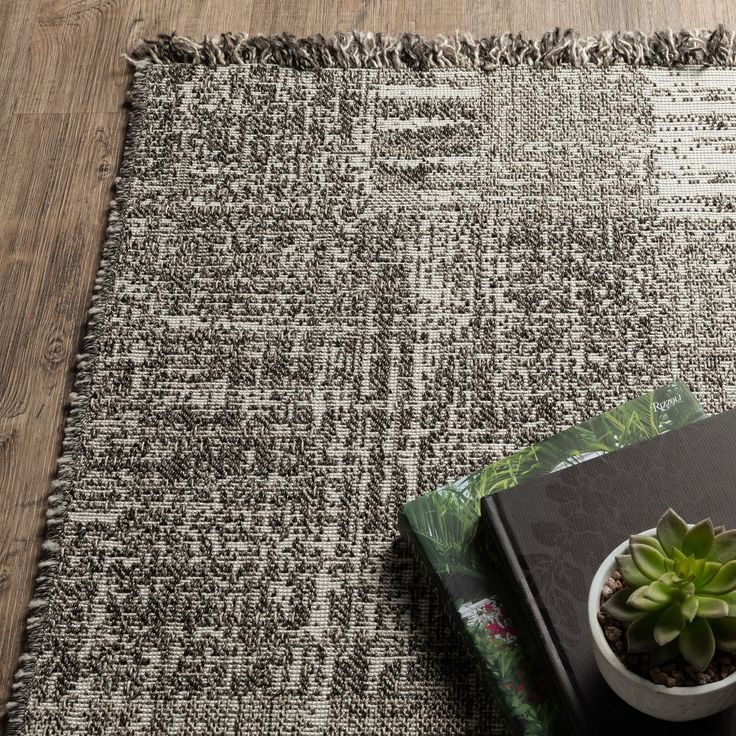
443,529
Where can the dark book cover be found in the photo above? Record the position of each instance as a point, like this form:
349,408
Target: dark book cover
552,533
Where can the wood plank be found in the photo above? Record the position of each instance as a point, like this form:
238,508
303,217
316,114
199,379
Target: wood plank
62,86
52,225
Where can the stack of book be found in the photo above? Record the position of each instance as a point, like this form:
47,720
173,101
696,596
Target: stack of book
484,553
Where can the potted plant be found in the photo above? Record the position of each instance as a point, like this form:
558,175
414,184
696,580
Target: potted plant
662,612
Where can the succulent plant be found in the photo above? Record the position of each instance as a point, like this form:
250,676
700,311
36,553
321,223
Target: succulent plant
681,594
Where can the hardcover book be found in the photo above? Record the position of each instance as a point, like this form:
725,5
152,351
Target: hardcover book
552,533
443,529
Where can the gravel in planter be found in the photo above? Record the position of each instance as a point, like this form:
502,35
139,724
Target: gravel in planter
674,673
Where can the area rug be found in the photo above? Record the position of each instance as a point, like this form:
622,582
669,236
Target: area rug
341,272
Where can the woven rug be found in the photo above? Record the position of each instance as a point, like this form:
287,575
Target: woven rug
339,273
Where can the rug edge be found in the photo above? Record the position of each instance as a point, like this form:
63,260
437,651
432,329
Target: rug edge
409,51
74,421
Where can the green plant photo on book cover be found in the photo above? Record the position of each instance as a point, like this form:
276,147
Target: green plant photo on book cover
443,529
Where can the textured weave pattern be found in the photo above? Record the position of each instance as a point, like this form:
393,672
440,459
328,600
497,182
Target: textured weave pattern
327,292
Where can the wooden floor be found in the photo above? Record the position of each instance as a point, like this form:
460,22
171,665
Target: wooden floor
62,85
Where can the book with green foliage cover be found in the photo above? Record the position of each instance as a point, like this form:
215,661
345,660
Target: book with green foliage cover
443,529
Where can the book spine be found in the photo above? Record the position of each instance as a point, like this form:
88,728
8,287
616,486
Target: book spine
499,538
516,728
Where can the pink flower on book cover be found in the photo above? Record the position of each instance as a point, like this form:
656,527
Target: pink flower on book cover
489,614
498,629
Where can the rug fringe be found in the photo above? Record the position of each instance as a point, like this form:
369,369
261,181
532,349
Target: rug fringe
408,51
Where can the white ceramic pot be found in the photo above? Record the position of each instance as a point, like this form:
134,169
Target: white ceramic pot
660,701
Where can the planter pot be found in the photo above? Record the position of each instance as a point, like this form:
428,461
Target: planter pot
667,703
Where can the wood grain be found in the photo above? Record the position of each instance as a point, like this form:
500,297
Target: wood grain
62,87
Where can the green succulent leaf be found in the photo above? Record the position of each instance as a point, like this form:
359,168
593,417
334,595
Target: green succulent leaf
649,561
697,569
689,607
664,654
670,578
712,607
631,572
699,539
640,599
669,625
640,634
724,631
724,580
697,643
678,554
671,530
689,568
709,572
659,592
724,547
649,541
730,599
618,607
